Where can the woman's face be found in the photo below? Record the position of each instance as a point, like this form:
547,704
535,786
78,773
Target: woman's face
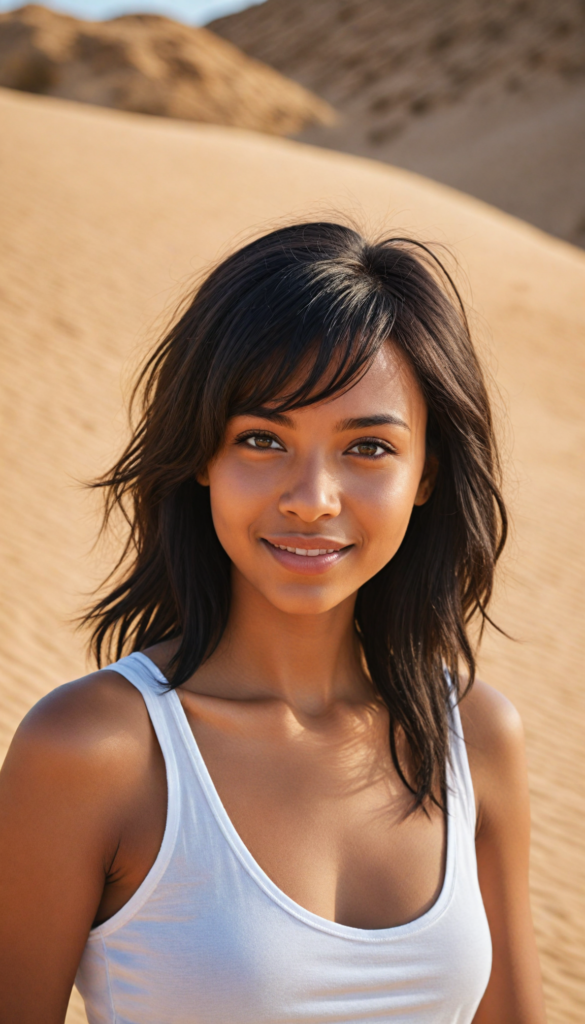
311,504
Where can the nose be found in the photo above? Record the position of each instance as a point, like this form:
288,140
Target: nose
313,493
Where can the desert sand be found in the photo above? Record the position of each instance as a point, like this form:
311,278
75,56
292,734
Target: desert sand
486,97
105,220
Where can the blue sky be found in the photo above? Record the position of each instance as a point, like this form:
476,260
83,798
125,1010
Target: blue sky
192,12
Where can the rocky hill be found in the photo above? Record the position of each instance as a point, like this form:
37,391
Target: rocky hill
150,65
488,97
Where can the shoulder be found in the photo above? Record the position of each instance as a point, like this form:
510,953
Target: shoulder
494,739
491,723
92,726
81,797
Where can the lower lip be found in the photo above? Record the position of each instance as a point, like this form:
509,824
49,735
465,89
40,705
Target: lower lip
305,565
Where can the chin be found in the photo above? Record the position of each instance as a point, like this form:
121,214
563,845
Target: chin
304,602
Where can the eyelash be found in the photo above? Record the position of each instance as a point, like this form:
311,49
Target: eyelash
386,447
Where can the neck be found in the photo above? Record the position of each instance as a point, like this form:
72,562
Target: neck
308,661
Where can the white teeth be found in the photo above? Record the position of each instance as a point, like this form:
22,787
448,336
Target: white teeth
310,552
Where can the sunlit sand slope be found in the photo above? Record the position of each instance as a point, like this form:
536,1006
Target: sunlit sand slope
104,220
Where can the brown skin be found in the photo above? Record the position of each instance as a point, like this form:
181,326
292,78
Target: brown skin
287,722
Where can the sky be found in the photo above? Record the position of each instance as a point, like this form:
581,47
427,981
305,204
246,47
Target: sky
192,12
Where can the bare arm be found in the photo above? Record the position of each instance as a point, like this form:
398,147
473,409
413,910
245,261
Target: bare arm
495,740
67,789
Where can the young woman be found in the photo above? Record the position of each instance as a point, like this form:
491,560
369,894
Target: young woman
290,802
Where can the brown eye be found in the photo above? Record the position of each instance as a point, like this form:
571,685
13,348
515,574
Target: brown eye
262,441
370,449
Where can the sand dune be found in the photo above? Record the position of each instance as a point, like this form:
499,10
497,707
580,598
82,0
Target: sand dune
105,218
150,65
488,98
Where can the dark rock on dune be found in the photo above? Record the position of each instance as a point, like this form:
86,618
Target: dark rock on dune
150,65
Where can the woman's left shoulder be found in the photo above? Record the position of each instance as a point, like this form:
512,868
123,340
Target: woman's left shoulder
494,739
491,723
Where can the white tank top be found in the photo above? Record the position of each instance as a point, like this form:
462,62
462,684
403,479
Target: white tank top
208,938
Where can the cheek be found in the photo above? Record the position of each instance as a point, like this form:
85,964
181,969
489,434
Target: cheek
237,498
383,505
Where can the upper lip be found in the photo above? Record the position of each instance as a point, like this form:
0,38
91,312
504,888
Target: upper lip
307,543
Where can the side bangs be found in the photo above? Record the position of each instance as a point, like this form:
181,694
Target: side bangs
309,355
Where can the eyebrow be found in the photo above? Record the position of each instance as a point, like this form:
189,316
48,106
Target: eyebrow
354,423
380,420
263,413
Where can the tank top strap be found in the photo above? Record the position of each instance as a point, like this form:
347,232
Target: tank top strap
146,677
460,772
139,670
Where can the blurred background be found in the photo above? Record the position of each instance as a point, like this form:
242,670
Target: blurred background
140,140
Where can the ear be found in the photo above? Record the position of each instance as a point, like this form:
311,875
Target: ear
203,478
427,480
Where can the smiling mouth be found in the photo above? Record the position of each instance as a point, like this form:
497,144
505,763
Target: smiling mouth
307,561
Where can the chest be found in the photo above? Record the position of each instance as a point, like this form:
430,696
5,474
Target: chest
327,818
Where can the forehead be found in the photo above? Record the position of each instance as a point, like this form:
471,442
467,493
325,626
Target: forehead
388,386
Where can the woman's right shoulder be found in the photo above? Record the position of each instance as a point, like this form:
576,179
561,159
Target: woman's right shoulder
91,725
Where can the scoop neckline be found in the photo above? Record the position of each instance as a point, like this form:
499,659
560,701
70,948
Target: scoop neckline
264,881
